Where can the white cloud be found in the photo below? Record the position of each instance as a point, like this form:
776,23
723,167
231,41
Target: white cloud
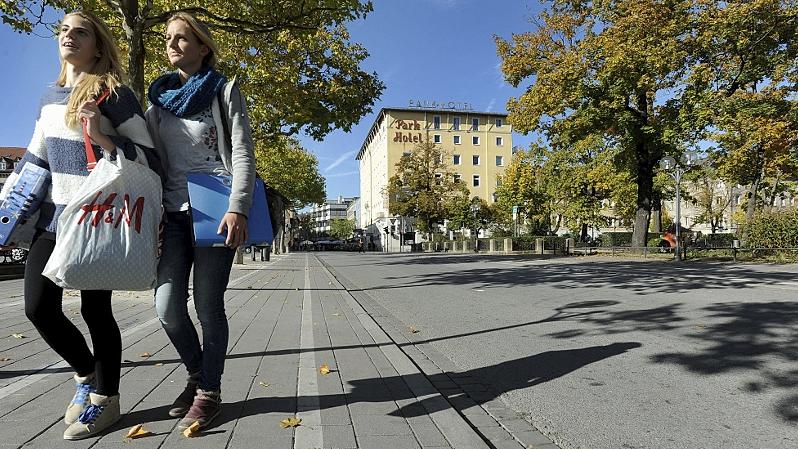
491,105
341,175
340,160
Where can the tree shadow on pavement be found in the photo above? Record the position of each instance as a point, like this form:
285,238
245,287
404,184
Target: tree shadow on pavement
745,336
643,278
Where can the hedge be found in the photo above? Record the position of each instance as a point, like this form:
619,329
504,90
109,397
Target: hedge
616,239
773,230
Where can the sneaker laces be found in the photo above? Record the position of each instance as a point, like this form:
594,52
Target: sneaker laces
82,392
91,413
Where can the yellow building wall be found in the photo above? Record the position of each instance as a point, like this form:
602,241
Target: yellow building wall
409,127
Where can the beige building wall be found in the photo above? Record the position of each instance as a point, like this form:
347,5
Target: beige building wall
396,131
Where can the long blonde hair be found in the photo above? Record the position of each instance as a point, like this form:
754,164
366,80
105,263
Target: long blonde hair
107,72
203,33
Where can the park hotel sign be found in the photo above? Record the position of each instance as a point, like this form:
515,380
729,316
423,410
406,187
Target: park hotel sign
407,127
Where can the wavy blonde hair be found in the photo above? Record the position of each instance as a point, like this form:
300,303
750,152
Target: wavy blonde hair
107,72
203,33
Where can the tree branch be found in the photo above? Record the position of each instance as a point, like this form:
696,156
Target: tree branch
240,25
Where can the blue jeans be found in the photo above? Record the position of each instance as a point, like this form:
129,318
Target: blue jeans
211,273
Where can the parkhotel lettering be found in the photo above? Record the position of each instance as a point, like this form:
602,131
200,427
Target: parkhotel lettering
443,105
407,137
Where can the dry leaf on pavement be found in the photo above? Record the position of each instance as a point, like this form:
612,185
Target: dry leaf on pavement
145,355
137,431
412,329
192,430
4,359
263,384
290,422
324,369
18,336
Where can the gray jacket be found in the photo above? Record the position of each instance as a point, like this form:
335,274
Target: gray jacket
238,158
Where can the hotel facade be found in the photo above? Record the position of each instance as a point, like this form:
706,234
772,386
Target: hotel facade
477,146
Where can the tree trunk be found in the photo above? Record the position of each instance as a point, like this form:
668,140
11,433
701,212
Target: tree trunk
646,157
656,212
583,233
134,33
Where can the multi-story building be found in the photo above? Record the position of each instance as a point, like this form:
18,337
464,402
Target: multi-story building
478,145
9,156
332,209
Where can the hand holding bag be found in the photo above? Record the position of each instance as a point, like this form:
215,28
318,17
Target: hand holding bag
107,237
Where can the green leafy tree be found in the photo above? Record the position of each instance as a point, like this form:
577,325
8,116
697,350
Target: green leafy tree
341,229
598,69
293,58
648,77
423,187
291,170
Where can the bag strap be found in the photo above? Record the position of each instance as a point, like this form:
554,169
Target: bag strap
91,158
228,138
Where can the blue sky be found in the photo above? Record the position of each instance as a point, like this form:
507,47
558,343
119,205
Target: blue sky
421,49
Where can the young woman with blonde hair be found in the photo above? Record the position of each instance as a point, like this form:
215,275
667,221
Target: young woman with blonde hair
191,110
91,73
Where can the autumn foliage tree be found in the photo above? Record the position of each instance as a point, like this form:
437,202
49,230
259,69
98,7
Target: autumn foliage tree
423,187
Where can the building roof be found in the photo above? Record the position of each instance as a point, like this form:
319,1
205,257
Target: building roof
384,111
12,152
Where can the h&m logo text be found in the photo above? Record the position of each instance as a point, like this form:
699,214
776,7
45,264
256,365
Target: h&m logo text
104,212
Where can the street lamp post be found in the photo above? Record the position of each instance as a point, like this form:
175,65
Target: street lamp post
676,171
474,212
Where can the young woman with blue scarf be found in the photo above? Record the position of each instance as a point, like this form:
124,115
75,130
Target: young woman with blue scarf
185,121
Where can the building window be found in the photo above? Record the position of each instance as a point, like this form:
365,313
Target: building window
495,197
436,122
499,123
456,140
457,177
475,140
456,123
498,182
474,124
476,181
475,159
499,141
436,138
406,153
500,161
3,165
438,177
456,159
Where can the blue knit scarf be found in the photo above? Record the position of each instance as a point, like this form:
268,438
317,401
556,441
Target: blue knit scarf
189,99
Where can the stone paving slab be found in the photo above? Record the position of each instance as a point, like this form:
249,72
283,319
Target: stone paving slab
287,317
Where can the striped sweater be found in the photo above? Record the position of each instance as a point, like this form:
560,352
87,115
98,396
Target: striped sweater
61,150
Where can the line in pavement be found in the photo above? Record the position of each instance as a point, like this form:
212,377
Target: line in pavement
453,427
309,434
30,379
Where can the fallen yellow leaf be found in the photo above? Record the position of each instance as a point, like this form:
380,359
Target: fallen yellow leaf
263,384
324,370
192,430
137,431
290,422
159,364
413,329
145,355
17,335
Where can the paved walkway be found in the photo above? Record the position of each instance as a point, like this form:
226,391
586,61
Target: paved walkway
287,317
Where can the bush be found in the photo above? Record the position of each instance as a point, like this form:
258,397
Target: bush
655,242
616,239
773,230
725,240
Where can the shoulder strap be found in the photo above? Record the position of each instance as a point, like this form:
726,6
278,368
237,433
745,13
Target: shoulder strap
91,158
225,124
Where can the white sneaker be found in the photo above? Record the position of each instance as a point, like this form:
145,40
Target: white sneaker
102,413
83,386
